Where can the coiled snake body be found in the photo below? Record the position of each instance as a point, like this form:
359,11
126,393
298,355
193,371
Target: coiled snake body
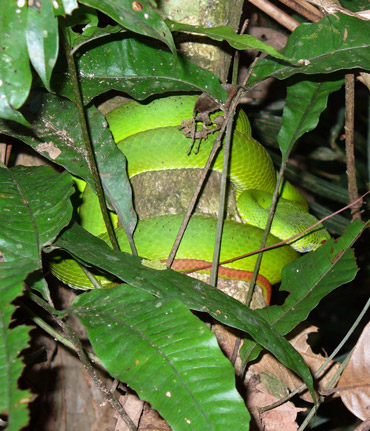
149,136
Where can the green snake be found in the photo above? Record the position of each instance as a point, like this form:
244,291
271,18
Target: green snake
150,137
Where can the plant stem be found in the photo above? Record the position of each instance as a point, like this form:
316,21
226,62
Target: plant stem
277,14
326,363
321,398
222,202
87,140
350,149
77,346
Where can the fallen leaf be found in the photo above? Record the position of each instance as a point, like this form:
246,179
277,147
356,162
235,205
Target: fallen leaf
268,363
277,419
354,384
133,407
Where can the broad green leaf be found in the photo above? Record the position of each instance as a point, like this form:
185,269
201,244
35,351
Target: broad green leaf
140,69
13,401
15,70
194,294
57,136
137,16
166,354
237,41
304,104
334,43
113,170
34,208
308,280
42,39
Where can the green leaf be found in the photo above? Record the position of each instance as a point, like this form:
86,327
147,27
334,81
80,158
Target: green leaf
334,43
13,401
57,136
305,102
92,33
194,294
8,113
334,264
137,16
34,207
237,41
140,69
113,170
42,39
15,70
166,354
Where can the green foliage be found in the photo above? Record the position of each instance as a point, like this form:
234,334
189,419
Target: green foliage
334,43
226,33
162,339
140,68
334,265
194,294
34,207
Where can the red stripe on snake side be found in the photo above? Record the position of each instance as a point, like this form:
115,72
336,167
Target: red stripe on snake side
194,265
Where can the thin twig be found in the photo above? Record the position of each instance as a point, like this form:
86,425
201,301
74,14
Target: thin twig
350,148
321,398
216,146
277,14
305,9
190,209
87,140
224,176
96,379
222,202
5,151
235,70
325,364
55,334
331,7
266,233
286,241
94,281
75,341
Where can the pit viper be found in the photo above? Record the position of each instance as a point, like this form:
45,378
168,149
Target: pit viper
150,137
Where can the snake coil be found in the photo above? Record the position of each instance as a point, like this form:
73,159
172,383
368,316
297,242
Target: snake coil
149,136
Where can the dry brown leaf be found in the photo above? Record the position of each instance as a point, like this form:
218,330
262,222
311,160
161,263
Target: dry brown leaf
268,363
280,418
354,384
133,407
152,421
